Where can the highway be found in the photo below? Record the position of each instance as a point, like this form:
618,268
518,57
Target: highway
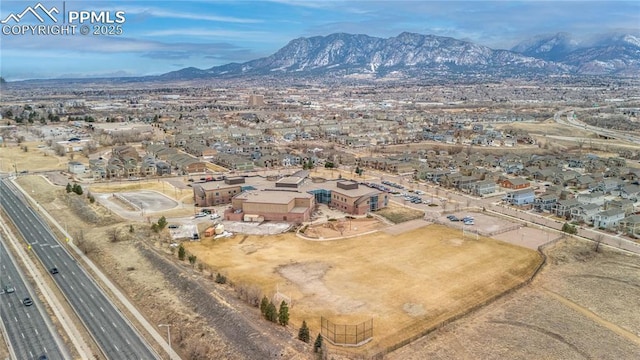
111,331
28,328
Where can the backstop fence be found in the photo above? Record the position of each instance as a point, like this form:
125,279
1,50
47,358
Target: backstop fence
347,335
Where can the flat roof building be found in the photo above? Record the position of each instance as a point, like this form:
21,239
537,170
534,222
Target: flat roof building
214,193
348,196
274,205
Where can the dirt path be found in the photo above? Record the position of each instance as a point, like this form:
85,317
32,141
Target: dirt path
591,315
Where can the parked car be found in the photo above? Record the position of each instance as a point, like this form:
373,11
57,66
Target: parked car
214,216
200,214
174,226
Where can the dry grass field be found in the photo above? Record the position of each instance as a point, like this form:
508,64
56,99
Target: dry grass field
34,159
583,305
548,127
406,282
399,214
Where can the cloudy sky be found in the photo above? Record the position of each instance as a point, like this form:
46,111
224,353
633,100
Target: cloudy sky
162,36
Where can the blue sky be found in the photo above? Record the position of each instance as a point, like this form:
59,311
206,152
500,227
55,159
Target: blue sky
162,36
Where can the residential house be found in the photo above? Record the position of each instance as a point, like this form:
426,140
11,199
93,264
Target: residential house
521,197
631,225
608,185
484,187
563,177
582,182
234,162
545,202
631,192
563,208
625,204
76,167
595,197
465,183
515,183
162,168
608,219
546,174
585,212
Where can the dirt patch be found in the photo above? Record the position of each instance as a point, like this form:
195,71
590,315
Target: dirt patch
406,226
342,228
398,214
309,278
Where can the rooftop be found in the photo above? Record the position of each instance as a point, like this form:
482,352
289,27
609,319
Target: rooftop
272,196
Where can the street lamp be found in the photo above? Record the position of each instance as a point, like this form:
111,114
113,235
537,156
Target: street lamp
168,326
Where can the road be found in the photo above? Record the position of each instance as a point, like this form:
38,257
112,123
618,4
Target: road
493,205
111,331
570,120
27,328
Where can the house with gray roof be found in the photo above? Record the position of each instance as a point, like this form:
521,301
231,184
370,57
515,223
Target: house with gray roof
608,219
585,212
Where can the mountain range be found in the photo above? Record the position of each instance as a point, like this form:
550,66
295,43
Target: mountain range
415,55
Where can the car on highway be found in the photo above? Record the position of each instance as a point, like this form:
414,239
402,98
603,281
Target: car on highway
53,270
9,289
27,301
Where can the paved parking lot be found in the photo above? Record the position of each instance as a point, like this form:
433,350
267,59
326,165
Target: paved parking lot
148,200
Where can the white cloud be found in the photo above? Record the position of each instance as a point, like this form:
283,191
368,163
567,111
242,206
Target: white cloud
164,13
201,32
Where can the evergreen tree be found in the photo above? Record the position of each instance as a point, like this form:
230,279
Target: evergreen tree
303,333
77,189
181,252
271,313
162,222
263,305
283,314
69,188
317,346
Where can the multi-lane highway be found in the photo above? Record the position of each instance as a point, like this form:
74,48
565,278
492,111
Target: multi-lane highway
28,329
115,336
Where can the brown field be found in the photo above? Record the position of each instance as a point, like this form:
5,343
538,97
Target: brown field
342,228
399,214
583,305
35,159
548,127
406,282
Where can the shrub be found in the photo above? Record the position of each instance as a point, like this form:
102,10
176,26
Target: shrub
181,251
221,279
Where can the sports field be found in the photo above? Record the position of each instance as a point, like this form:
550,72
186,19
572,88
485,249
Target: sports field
406,282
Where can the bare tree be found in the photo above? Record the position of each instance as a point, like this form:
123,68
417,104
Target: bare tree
598,241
